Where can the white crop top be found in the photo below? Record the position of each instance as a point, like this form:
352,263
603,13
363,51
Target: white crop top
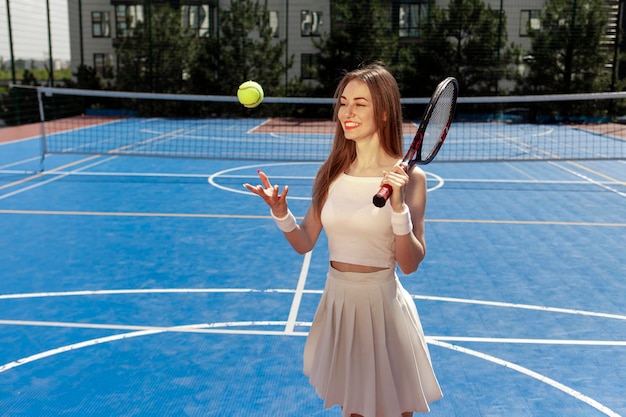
358,232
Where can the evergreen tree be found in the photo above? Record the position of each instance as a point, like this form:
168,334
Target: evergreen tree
158,55
433,56
245,49
478,45
361,33
88,78
467,40
567,55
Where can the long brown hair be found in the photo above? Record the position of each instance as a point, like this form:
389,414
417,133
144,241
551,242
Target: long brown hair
387,115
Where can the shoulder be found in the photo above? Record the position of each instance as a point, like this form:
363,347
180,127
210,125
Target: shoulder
416,191
417,174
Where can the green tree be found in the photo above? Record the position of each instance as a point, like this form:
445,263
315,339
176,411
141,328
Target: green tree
159,54
29,78
361,32
567,55
87,78
433,56
466,40
244,49
478,45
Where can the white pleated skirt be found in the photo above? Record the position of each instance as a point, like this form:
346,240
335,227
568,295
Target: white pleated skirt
366,350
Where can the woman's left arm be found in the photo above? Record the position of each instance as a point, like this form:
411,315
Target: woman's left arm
410,243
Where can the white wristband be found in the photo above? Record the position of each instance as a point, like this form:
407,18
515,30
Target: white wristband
286,224
401,223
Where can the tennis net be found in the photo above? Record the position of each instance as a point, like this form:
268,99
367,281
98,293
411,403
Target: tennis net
506,128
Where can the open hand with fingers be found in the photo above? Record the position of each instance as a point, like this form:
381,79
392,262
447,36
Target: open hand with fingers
271,194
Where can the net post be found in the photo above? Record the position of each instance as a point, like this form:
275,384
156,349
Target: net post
42,118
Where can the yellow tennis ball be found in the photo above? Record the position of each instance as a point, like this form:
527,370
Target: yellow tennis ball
250,94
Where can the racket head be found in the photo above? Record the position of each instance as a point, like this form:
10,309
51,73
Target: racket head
431,132
435,123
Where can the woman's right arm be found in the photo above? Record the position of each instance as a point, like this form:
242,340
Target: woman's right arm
304,236
301,237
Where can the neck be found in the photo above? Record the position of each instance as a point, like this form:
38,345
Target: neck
370,160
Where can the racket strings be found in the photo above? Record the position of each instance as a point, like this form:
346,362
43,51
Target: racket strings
439,122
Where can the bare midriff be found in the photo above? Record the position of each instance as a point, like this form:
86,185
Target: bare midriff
346,267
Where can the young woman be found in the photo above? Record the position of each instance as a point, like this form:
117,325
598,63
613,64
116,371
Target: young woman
365,350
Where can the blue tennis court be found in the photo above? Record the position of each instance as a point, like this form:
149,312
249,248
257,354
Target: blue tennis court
138,286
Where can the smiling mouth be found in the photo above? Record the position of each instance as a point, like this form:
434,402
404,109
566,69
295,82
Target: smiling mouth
350,125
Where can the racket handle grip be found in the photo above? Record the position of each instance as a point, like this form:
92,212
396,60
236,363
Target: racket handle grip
385,190
382,195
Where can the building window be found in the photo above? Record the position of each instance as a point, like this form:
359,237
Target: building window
529,21
269,20
102,63
308,66
410,15
100,24
198,18
126,18
310,23
273,16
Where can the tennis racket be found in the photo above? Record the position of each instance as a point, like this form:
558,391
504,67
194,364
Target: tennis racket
430,134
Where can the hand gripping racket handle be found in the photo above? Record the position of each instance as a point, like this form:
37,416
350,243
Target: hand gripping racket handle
385,191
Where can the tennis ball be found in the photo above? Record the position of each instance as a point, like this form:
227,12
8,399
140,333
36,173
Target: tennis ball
250,94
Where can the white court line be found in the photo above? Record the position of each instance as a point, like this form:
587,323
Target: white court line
432,177
544,379
249,216
23,161
141,331
225,174
232,327
212,177
601,184
504,139
303,291
226,328
56,178
297,298
527,181
253,128
72,347
39,184
518,341
146,291
521,306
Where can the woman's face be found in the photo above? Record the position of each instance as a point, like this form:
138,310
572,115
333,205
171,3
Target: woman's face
356,111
